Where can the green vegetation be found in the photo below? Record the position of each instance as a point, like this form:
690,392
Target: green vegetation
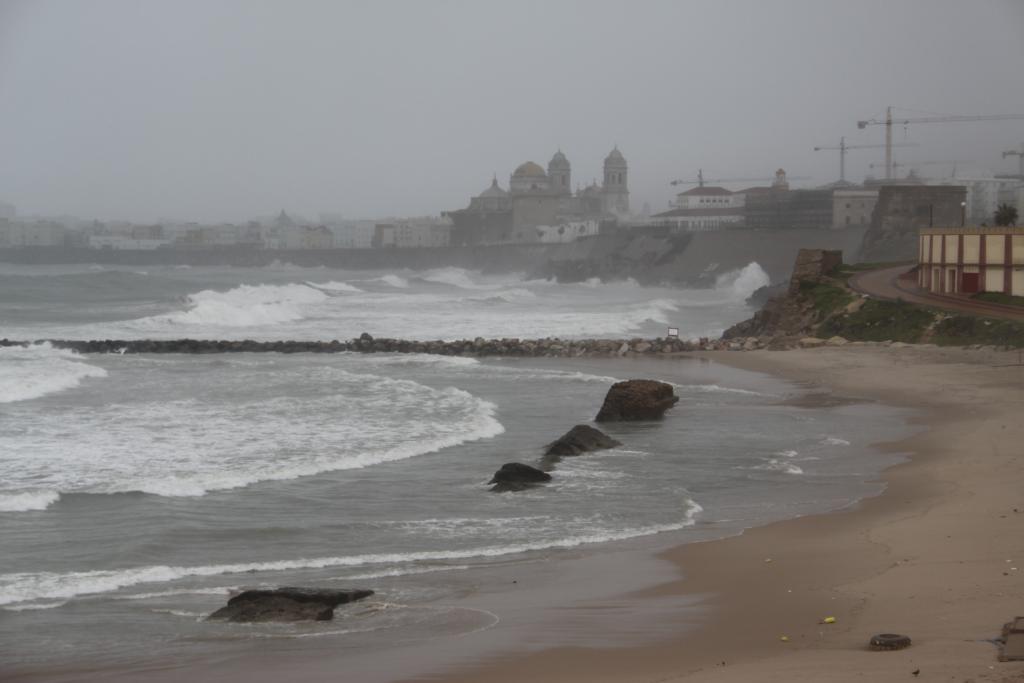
826,298
878,320
1006,214
964,330
1000,298
881,321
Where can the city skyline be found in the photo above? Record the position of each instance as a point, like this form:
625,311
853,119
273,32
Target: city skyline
128,111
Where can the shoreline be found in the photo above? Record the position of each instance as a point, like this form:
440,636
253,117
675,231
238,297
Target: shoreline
830,561
934,556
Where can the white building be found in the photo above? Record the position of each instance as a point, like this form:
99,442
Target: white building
121,242
704,208
411,235
353,234
567,231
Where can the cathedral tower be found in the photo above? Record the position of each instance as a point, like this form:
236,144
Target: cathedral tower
560,173
615,191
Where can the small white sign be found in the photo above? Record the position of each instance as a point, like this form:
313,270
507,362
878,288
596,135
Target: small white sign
673,332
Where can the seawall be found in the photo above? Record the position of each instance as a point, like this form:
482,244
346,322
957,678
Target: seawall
649,255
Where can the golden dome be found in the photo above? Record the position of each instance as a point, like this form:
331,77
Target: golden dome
529,169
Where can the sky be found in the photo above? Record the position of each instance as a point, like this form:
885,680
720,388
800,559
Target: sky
222,110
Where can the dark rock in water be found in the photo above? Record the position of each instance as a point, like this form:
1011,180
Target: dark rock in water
581,439
287,604
515,476
637,399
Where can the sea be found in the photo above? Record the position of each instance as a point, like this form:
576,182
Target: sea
137,492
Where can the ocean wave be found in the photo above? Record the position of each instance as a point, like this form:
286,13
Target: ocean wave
716,389
22,587
742,282
28,372
243,306
776,465
428,359
334,286
456,277
835,441
395,419
393,280
27,501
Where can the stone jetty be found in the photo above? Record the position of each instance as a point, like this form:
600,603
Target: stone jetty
365,343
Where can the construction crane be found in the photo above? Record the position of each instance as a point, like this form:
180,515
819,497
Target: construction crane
1018,153
701,180
912,165
888,121
843,147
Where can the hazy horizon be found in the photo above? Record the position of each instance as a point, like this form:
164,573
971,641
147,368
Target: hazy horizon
229,110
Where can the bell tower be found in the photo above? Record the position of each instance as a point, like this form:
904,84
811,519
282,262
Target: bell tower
615,191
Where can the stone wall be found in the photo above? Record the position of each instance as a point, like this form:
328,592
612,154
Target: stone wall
901,211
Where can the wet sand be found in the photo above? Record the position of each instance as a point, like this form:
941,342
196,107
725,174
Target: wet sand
938,556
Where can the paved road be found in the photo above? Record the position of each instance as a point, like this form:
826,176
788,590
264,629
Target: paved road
885,283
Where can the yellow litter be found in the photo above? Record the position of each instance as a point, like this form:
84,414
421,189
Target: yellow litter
784,639
828,620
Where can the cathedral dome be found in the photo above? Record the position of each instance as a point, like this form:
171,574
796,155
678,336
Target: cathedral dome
615,158
558,161
529,169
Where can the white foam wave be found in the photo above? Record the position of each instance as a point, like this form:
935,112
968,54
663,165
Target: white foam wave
23,587
243,306
27,501
334,286
743,282
411,571
835,441
421,359
716,389
28,372
393,280
776,465
285,437
788,454
456,277
24,607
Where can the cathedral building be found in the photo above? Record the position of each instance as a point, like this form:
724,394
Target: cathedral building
541,203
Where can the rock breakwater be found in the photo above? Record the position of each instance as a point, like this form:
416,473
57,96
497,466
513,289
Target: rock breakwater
549,347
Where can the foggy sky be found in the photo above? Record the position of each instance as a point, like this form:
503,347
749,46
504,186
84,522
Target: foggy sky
221,111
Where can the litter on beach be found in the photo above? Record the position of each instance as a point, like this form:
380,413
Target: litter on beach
828,620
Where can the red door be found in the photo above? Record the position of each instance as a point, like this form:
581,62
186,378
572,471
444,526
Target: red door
969,283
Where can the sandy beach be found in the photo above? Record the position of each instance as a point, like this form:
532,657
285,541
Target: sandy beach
939,556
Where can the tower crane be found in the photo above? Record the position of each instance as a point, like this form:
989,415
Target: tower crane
701,180
843,147
912,165
888,121
1018,153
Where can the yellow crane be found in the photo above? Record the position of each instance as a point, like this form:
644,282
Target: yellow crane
888,121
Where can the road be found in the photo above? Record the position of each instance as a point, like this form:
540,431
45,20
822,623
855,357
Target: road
885,283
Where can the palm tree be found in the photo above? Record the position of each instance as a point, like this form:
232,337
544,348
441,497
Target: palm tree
1006,214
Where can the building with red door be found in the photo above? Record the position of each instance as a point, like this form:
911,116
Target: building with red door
971,260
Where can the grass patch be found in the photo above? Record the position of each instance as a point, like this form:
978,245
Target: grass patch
880,321
1000,298
825,297
963,330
